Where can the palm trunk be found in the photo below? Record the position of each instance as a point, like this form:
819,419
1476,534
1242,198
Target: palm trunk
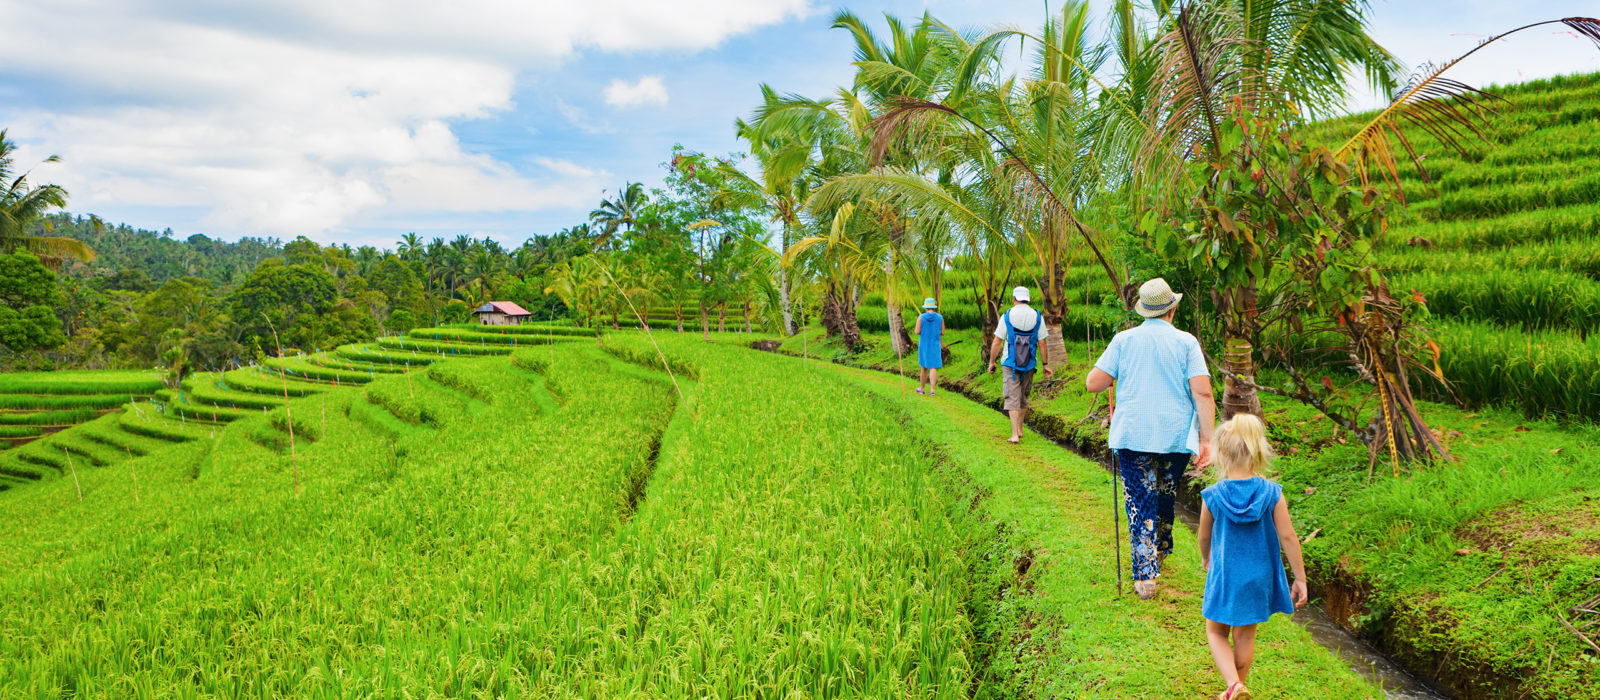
1239,390
747,317
899,339
783,289
830,311
705,321
722,317
850,326
1055,344
991,318
680,319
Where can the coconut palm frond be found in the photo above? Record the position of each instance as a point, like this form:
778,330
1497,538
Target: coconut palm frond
1205,61
1452,111
56,248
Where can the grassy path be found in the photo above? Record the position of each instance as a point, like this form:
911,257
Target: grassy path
1072,635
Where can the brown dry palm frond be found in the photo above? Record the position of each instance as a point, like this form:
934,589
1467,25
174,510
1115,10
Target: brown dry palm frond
1206,62
1451,111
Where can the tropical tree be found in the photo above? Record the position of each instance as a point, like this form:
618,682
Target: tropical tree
620,212
23,204
783,182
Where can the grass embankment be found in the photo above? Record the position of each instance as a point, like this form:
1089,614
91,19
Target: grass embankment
1484,622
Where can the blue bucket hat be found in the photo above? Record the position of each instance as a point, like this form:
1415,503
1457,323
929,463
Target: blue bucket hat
929,303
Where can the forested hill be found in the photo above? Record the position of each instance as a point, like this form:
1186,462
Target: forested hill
137,259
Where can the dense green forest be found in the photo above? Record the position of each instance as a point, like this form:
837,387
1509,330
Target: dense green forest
146,298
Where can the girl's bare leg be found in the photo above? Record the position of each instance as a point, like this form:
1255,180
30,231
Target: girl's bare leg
933,379
922,379
1223,654
1244,650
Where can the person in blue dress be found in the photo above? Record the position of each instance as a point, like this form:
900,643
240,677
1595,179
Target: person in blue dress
930,349
1245,534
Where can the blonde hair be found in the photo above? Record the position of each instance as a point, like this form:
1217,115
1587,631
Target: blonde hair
1241,446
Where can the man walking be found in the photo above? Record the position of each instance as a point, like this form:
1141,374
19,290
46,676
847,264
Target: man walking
1165,414
1019,343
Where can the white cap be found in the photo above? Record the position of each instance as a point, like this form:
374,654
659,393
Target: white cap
1020,294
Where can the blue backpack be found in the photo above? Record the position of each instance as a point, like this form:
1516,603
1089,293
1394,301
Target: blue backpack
1022,344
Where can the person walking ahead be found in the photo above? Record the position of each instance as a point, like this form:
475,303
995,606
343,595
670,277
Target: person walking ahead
1165,412
930,348
1019,343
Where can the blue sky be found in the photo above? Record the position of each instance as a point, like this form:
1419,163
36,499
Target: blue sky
360,120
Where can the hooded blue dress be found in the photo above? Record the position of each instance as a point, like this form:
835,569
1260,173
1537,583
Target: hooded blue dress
929,353
1246,582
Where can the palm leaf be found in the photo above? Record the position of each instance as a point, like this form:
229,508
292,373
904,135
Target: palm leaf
1452,111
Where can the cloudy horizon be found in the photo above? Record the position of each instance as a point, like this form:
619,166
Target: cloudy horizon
356,122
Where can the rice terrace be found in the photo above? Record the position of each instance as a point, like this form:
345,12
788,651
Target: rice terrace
1203,349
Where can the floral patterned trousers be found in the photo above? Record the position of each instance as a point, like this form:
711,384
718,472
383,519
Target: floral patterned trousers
1150,483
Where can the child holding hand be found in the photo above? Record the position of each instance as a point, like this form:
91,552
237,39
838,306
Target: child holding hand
1244,534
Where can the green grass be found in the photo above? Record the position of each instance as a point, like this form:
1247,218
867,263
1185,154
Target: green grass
1396,538
442,350
36,402
81,382
63,417
1065,631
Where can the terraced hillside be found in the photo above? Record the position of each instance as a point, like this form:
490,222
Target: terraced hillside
567,520
35,406
1504,243
60,422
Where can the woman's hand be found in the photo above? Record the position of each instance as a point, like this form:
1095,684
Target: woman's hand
1297,591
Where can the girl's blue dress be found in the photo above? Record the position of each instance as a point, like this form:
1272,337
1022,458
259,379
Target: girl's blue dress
928,346
1246,582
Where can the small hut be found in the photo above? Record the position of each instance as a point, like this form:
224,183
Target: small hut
501,313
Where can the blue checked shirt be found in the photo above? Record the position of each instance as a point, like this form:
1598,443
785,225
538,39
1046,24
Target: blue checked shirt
1152,364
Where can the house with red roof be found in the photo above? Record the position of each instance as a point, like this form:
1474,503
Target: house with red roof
501,313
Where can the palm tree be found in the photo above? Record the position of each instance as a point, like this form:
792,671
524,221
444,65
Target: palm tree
410,247
621,212
783,160
23,204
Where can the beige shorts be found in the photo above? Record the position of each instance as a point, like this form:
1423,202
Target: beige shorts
1015,387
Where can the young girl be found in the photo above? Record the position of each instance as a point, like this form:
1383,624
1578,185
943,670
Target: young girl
930,349
1244,522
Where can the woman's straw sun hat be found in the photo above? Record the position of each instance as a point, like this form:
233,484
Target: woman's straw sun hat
1156,299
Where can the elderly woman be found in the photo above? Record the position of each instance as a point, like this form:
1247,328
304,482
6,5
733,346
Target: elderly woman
1164,415
930,350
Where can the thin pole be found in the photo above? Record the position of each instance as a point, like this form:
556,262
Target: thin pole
132,473
288,418
1116,520
74,471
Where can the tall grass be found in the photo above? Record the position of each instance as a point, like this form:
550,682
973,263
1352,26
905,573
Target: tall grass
80,382
1543,373
1532,299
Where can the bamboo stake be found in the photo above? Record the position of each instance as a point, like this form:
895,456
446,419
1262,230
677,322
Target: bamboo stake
74,471
132,473
647,333
288,418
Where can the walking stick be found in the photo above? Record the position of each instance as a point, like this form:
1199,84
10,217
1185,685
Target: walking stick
1116,475
1116,521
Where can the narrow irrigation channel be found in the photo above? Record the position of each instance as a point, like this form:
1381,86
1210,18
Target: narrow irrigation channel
1361,657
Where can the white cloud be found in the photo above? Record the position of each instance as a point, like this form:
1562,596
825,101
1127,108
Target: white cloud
308,117
644,91
579,118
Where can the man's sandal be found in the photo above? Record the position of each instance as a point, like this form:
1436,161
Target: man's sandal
1145,589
